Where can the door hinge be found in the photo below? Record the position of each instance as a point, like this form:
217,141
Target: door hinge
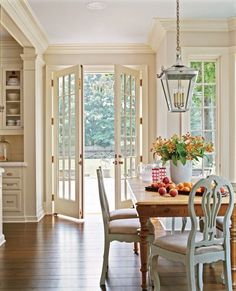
141,82
52,83
80,213
141,159
52,159
79,83
141,120
52,121
53,197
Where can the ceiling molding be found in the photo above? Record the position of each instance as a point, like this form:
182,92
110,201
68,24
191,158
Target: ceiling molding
162,25
21,14
99,49
156,35
207,25
232,23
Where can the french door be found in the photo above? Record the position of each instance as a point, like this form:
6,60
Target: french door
127,129
68,147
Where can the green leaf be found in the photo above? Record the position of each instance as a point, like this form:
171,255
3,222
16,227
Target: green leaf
183,160
174,160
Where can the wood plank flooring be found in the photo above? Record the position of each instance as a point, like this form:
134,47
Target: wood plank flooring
60,254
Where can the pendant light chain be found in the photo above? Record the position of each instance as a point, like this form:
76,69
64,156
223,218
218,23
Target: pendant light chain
177,26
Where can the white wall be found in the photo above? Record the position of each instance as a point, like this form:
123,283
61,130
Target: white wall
213,45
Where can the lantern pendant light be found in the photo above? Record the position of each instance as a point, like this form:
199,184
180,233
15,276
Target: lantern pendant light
178,81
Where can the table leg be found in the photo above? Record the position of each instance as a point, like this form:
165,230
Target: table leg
233,247
144,250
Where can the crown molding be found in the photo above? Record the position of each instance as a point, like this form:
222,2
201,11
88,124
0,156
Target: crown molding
162,25
232,23
192,24
24,19
72,49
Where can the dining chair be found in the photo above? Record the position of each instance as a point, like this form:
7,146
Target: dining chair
122,230
197,248
122,213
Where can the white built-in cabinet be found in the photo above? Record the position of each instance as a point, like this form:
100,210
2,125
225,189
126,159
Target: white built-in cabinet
11,103
13,191
2,237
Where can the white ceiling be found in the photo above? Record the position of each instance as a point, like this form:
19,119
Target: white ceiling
70,22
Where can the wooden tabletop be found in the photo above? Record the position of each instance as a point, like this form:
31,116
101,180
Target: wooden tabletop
142,197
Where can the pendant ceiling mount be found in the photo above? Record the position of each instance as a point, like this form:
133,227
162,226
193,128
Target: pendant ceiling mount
178,81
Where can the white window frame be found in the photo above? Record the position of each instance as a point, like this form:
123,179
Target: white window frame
220,55
216,61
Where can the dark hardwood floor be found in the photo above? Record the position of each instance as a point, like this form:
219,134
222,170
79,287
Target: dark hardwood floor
60,254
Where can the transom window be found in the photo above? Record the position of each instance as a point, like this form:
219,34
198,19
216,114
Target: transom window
203,112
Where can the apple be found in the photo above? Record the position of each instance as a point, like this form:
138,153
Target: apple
155,185
160,185
222,190
172,186
166,180
202,189
162,191
173,192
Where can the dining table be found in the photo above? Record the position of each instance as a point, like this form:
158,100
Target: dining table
150,204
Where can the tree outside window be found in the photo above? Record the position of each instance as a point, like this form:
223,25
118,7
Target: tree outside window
203,112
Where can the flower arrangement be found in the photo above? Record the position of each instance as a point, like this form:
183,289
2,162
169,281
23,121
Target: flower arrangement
181,148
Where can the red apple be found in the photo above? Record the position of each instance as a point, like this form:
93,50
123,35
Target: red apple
155,185
173,192
160,185
222,190
162,191
202,189
166,180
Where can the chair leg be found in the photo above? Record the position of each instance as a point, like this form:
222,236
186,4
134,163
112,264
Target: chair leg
227,273
173,225
105,262
199,276
190,270
184,223
136,248
154,274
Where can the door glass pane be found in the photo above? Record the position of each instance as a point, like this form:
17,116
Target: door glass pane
128,132
66,137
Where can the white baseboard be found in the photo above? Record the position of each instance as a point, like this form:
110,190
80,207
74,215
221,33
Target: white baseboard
19,219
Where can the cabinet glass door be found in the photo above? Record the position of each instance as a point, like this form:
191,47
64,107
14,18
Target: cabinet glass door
12,100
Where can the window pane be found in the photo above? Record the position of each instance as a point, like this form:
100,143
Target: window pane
210,136
210,95
209,72
197,97
198,66
196,119
209,118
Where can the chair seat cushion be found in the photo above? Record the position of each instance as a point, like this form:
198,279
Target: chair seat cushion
124,226
123,213
178,243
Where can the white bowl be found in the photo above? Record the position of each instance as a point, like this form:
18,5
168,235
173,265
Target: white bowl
13,96
10,122
13,110
13,81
